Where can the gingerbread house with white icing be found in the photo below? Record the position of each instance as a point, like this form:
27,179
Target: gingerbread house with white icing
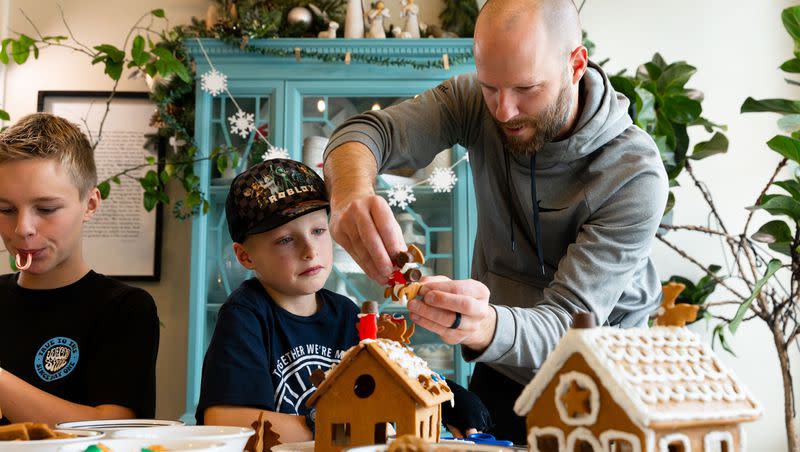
378,382
635,390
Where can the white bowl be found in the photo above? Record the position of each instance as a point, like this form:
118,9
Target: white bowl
136,445
112,425
304,446
234,438
461,446
84,439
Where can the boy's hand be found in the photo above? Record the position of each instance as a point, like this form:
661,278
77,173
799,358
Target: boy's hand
468,415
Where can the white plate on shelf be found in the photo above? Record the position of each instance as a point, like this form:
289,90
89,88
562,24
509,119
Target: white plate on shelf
111,425
234,438
83,439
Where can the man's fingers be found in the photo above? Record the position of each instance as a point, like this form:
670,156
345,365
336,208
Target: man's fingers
442,317
354,229
387,226
374,249
466,305
467,287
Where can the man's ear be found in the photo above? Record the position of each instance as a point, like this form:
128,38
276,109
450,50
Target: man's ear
578,61
92,204
242,256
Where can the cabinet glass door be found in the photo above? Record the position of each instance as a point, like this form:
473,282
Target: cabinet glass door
429,222
239,149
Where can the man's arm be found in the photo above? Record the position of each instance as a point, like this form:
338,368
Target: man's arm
361,221
289,427
406,135
22,402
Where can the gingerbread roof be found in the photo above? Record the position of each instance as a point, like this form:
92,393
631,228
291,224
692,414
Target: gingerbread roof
409,371
658,375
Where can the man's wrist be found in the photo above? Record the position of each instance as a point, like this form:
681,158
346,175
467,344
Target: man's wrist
485,333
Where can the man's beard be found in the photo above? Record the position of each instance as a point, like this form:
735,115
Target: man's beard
545,125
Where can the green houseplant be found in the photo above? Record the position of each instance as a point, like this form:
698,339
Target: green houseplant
766,262
663,106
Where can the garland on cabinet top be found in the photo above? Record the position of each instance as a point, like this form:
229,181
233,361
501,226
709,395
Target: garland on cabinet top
162,58
242,123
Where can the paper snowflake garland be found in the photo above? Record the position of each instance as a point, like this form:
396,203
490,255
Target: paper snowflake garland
242,123
214,82
442,180
401,196
275,153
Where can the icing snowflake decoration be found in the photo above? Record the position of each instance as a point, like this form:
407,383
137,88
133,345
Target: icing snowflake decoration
401,196
275,153
214,82
242,123
442,180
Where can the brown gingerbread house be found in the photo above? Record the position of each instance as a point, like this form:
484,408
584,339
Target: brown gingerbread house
377,383
635,390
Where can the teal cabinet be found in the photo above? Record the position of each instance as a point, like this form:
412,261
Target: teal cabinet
297,101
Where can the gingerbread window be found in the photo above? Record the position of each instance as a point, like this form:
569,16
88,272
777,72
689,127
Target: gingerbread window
718,442
676,442
577,399
546,439
618,441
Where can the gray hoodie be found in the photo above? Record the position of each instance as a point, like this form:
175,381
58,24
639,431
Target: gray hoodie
601,194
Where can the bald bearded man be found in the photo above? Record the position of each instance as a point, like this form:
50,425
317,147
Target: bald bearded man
569,195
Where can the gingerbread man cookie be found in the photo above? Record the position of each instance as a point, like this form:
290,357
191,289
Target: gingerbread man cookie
404,283
671,314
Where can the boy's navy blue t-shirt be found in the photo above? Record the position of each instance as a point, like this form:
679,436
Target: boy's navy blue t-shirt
262,356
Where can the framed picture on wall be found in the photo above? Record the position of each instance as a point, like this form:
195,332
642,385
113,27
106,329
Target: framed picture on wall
123,240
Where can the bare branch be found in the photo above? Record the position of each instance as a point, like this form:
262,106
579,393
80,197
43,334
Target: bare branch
694,228
778,169
701,266
706,195
71,34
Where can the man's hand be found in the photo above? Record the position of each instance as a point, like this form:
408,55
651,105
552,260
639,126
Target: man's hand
443,298
367,229
361,221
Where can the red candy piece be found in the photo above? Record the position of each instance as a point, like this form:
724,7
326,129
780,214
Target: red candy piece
397,278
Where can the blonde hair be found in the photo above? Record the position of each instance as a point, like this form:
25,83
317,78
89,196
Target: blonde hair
50,137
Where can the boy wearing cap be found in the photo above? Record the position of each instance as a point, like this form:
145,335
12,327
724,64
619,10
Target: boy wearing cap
279,327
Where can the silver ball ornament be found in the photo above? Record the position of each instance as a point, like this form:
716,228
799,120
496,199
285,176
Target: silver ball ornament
299,15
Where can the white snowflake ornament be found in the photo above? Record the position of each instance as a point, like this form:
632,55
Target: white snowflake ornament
401,196
442,180
275,153
242,123
214,82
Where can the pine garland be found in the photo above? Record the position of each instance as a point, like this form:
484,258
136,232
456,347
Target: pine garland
338,57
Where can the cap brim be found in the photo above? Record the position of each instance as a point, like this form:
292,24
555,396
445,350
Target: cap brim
286,215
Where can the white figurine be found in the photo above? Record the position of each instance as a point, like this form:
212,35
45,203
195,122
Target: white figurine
354,22
400,34
410,13
330,32
375,17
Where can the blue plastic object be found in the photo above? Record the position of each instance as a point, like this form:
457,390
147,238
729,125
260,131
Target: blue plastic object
485,438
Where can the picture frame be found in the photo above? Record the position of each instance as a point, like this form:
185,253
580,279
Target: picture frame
122,226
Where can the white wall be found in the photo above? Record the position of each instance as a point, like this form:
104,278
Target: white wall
736,45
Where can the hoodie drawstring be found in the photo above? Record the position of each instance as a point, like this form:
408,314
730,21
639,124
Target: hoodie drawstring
510,215
536,223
